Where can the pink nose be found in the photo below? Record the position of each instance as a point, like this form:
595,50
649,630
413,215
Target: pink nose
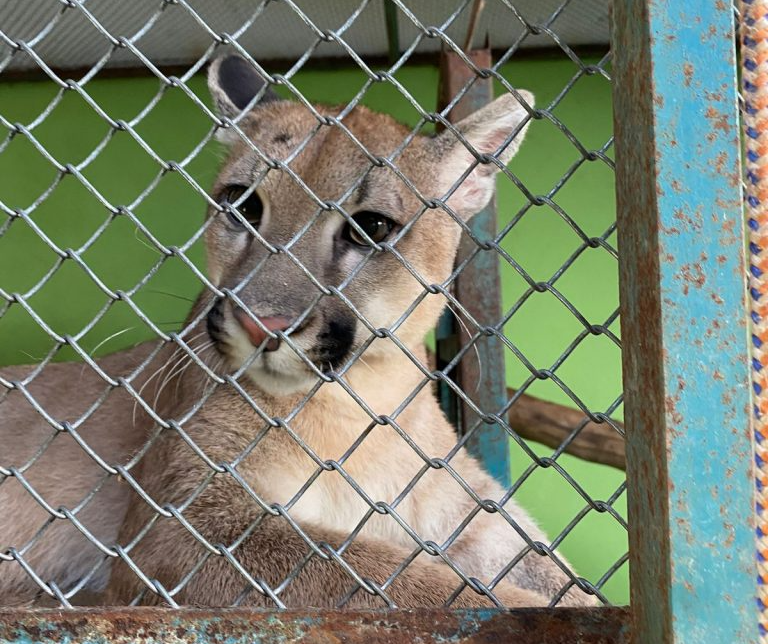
256,334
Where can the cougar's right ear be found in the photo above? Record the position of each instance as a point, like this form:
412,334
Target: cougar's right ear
486,131
234,83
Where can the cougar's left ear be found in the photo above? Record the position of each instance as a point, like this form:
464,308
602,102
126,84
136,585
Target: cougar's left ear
234,83
486,131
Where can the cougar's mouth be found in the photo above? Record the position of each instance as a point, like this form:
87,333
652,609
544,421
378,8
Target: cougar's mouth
214,323
332,343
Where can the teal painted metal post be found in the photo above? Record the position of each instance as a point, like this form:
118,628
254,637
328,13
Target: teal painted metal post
481,373
683,322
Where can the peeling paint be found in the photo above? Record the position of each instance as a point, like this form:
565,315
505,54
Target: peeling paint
683,319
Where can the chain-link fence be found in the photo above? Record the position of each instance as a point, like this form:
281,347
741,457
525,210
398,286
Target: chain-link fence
283,444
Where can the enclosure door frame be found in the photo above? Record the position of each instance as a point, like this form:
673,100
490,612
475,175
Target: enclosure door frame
686,378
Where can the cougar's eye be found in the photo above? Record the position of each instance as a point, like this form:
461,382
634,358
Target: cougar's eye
375,225
252,208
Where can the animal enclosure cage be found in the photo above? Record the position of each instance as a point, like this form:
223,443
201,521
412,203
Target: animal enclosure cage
107,161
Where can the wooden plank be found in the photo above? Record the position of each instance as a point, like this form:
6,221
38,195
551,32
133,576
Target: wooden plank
551,424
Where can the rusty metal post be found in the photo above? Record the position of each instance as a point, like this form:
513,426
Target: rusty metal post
481,375
683,313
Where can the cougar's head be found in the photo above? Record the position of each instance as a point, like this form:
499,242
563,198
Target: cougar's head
319,239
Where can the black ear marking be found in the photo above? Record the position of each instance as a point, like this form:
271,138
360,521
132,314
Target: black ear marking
240,82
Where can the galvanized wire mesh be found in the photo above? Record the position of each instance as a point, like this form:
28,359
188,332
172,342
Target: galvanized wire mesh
189,351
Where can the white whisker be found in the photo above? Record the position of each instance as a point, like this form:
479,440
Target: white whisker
474,347
181,367
101,344
360,358
159,370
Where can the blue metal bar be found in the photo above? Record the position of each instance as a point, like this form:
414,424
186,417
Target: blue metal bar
481,373
683,312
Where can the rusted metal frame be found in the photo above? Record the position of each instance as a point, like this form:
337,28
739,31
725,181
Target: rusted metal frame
683,315
393,31
240,626
481,374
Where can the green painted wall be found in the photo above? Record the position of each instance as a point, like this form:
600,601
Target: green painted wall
121,255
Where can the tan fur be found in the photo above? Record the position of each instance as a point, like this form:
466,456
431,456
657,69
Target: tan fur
276,468
64,474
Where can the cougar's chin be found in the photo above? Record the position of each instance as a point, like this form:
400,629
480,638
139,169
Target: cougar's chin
282,382
277,373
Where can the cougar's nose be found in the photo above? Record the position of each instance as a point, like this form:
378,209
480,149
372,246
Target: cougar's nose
256,334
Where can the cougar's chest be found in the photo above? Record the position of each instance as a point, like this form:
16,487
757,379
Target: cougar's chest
335,472
334,467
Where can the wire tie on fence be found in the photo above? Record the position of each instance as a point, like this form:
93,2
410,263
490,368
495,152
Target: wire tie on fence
489,419
436,463
386,420
160,590
431,548
480,588
488,331
60,596
546,461
380,507
379,591
382,333
382,420
490,506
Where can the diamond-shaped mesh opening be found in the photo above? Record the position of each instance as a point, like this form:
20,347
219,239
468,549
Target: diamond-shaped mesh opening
174,436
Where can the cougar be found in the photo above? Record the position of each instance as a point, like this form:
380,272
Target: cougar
323,464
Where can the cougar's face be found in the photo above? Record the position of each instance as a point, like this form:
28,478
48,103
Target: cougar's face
294,243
